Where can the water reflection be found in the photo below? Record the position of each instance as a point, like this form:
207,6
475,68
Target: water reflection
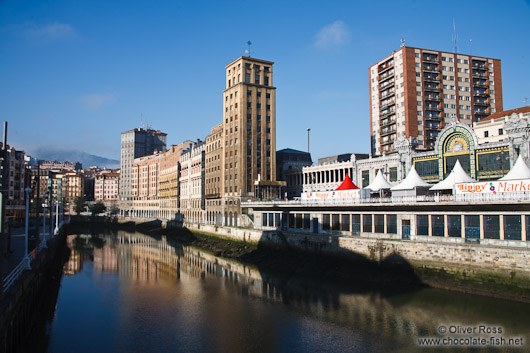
148,294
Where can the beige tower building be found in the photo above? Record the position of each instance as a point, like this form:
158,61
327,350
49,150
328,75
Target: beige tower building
249,133
415,92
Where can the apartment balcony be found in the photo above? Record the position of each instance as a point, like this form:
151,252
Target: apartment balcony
387,122
387,104
479,75
431,68
481,111
479,66
434,108
387,95
387,142
480,84
482,103
430,59
431,79
386,113
387,131
386,66
432,127
432,88
431,97
434,117
432,135
386,75
481,94
386,85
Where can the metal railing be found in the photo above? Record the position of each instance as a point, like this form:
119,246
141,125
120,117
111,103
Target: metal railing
398,200
24,264
13,276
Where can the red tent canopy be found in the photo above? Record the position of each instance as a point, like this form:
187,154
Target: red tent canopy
347,184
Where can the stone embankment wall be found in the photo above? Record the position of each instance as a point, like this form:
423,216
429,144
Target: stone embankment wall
485,257
29,304
477,268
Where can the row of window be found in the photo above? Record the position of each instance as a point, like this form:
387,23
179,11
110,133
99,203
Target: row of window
387,224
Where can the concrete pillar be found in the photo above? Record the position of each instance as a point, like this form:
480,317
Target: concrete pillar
523,228
384,224
373,223
446,228
462,227
430,225
501,227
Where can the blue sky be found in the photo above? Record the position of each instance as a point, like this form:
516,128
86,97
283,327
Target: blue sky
75,74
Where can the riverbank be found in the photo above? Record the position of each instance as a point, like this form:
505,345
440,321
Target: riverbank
386,267
282,260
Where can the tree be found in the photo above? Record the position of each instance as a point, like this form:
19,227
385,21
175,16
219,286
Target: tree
97,208
114,210
79,204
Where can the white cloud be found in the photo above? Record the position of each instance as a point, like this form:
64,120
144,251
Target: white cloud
96,101
52,31
332,35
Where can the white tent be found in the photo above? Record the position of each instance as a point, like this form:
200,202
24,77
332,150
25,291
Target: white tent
519,171
410,185
379,183
457,175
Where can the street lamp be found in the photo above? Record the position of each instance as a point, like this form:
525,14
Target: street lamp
308,129
56,217
27,190
51,215
44,197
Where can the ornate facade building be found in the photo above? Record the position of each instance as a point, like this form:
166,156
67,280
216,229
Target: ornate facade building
482,158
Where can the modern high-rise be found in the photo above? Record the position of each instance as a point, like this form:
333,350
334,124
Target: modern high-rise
415,92
249,132
137,143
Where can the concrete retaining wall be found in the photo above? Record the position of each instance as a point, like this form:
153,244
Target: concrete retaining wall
494,259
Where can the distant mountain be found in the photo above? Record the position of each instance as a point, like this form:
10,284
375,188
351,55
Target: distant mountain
86,159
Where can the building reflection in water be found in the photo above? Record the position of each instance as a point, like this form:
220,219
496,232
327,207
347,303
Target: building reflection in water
148,261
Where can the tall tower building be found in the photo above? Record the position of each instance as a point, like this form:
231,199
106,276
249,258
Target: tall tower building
415,92
136,143
249,132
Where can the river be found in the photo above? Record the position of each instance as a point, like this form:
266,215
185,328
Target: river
128,292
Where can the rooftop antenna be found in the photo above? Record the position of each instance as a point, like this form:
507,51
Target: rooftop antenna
455,37
247,51
402,40
470,46
525,101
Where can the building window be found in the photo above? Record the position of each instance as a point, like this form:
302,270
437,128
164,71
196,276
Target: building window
486,133
367,223
393,174
501,132
365,175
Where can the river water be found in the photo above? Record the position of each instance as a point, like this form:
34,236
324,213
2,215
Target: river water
129,292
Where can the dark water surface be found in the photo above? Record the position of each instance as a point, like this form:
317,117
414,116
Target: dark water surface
133,293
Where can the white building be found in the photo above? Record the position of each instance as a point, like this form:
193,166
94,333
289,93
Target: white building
192,186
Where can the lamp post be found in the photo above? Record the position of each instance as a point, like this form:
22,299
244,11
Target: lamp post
44,197
27,190
51,215
308,129
56,217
